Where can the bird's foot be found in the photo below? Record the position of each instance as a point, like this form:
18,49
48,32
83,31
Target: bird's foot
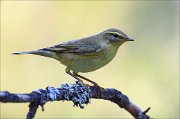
98,86
82,83
101,89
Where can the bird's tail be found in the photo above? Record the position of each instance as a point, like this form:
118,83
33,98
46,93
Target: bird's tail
37,52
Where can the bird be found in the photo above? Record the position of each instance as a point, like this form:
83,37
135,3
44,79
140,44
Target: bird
86,54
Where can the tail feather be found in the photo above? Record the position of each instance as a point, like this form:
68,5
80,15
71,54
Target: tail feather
20,53
37,52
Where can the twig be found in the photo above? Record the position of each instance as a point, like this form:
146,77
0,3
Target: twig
78,93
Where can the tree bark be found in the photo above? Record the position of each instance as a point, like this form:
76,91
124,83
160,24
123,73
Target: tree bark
78,93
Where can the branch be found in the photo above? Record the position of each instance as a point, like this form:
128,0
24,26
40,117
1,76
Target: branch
78,93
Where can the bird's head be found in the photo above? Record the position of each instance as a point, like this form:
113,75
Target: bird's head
116,36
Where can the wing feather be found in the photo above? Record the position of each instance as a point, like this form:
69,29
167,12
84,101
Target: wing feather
78,46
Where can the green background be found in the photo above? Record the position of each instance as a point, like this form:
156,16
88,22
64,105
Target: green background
147,70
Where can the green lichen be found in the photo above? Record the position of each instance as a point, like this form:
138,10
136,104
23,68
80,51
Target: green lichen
78,93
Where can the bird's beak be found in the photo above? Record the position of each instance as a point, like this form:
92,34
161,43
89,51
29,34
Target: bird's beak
129,39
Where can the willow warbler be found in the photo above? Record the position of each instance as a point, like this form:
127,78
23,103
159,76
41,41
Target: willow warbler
86,54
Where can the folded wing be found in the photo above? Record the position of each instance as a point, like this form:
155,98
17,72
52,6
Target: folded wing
75,47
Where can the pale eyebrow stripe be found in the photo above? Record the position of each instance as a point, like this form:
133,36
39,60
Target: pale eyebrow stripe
119,34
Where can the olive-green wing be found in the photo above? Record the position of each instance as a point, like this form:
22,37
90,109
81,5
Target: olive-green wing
75,47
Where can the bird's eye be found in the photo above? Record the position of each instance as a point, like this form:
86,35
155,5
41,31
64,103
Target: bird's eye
115,35
118,35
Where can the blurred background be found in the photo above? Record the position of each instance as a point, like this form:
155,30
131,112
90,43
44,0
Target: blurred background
147,70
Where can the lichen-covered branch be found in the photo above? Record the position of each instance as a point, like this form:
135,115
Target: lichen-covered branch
78,93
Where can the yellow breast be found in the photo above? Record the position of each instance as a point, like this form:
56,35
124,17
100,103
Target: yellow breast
90,62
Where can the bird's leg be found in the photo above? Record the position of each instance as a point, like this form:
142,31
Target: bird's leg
82,77
71,74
